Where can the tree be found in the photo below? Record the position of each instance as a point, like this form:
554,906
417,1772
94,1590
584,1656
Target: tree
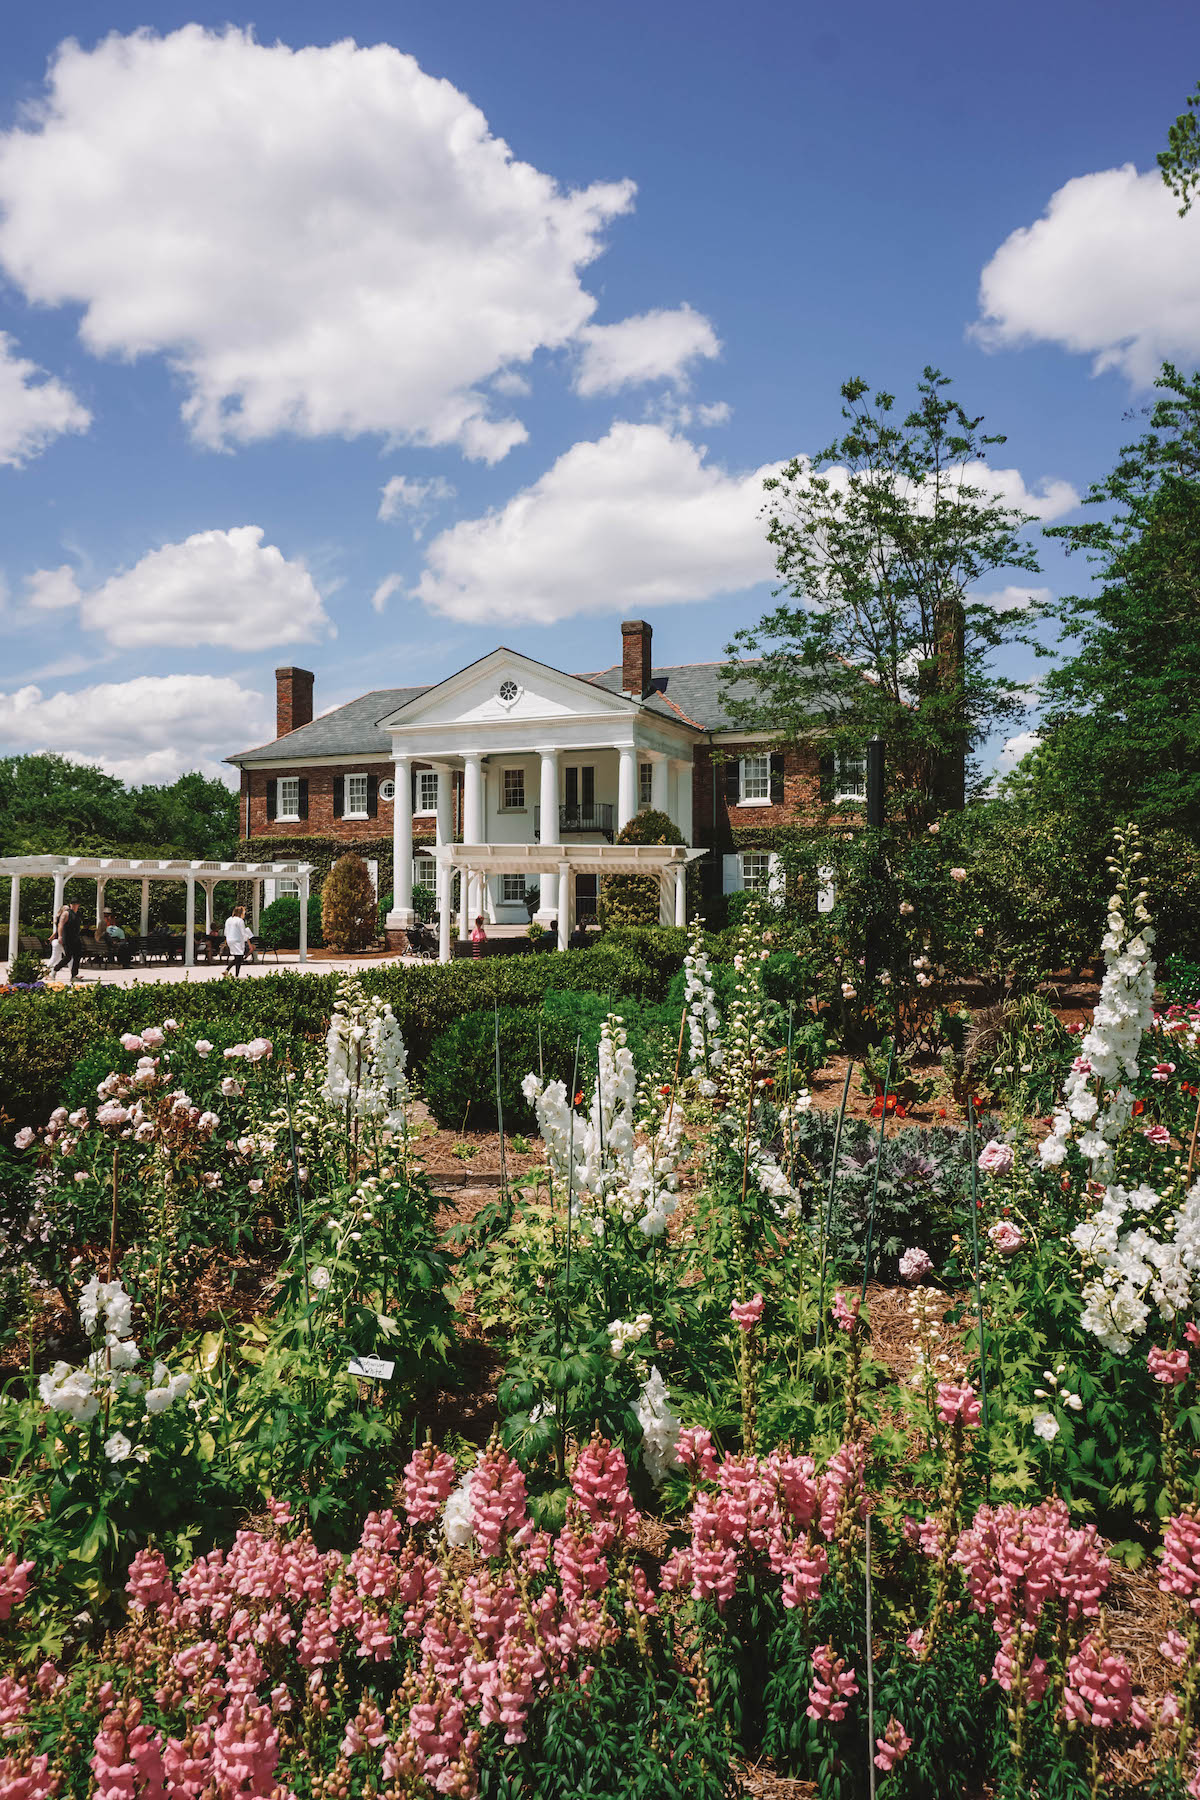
349,911
880,539
1122,736
49,804
1179,163
633,899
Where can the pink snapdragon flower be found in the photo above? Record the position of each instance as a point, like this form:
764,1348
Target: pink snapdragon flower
1099,1688
845,1313
747,1313
1181,1559
956,1400
996,1158
695,1450
14,1582
1168,1367
833,1686
429,1480
893,1746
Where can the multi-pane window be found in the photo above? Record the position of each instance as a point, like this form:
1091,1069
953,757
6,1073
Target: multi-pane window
286,885
356,796
645,784
756,871
851,777
427,790
288,806
512,888
424,872
756,778
514,790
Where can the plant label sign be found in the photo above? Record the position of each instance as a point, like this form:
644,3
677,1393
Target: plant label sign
372,1368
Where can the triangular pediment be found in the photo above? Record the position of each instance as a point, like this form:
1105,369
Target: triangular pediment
505,686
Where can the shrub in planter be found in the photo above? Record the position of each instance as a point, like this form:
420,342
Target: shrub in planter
349,909
459,1077
279,925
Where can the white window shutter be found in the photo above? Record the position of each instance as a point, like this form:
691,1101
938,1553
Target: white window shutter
826,892
776,881
731,874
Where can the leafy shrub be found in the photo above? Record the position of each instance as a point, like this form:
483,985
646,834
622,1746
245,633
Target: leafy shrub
279,924
349,909
460,1070
634,899
25,969
1180,980
424,901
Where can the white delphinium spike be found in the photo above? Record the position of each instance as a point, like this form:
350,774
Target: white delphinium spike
705,1050
660,1426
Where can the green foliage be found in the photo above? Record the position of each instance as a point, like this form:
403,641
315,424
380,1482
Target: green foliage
349,910
633,900
879,567
279,923
1179,163
26,968
459,1075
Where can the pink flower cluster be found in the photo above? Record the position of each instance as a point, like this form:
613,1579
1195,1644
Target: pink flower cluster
1099,1688
893,1746
1005,1237
833,1686
1181,1559
747,1313
957,1401
1170,1367
845,1311
996,1158
14,1583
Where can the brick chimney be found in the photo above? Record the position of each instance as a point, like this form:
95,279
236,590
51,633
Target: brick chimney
293,700
635,657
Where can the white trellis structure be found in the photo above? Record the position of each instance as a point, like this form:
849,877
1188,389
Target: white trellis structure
667,862
202,875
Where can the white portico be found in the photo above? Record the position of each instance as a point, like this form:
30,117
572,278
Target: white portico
552,766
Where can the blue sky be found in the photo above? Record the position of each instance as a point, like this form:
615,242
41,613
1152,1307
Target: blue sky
243,291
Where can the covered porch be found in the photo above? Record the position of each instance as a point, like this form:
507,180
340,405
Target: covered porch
193,875
667,863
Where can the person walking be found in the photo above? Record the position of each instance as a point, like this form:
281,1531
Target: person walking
58,954
478,936
71,937
238,938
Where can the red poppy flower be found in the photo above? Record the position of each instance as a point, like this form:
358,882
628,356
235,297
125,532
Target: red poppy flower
1139,1107
579,1098
665,1089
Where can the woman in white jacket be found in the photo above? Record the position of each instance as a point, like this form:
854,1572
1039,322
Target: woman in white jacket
238,938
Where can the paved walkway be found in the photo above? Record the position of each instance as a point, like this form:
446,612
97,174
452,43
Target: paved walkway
175,972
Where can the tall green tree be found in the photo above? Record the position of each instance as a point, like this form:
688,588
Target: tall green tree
1179,163
1122,735
48,804
881,540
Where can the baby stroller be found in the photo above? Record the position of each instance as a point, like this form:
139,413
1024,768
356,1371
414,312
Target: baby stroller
422,942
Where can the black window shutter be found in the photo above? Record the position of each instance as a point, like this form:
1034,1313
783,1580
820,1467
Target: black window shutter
372,796
733,782
828,776
303,807
339,796
272,793
777,778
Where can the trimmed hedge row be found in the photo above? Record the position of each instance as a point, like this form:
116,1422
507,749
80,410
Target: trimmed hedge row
43,1036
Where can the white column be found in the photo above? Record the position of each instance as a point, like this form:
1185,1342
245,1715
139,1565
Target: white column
304,917
444,881
465,919
208,900
256,894
446,892
402,915
101,884
681,895
565,904
14,915
660,785
627,786
548,800
189,926
472,825
144,917
682,813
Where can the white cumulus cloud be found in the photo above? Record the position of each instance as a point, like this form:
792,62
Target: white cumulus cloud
654,346
419,499
636,519
32,412
150,729
226,589
1013,599
1015,748
324,240
1110,271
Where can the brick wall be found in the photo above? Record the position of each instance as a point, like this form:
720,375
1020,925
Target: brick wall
321,821
801,792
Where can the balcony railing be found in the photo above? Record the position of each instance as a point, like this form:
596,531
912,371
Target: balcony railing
593,817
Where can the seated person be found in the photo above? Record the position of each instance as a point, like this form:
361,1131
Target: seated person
115,944
580,937
213,939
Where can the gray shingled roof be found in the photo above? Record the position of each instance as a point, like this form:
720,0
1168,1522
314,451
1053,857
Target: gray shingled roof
350,730
688,692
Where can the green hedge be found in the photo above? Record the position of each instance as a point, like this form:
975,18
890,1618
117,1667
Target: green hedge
43,1036
279,926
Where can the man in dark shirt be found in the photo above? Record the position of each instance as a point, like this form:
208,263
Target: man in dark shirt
72,938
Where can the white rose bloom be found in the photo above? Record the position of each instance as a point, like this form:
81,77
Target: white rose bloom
117,1447
1045,1426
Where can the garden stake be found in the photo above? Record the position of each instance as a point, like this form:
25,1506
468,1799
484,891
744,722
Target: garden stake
887,1082
870,1668
287,1084
837,1144
1192,1151
500,1105
975,1262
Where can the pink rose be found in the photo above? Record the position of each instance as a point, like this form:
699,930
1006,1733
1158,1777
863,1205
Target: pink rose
915,1265
1158,1135
996,1158
1006,1238
958,874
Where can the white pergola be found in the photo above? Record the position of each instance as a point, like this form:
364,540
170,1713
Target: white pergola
205,875
667,862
